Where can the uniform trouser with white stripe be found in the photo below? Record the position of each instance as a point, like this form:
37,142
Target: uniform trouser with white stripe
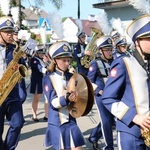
96,133
106,124
14,115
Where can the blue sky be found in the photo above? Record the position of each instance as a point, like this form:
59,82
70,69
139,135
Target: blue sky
69,8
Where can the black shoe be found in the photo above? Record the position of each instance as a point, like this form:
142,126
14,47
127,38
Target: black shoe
45,118
35,119
95,144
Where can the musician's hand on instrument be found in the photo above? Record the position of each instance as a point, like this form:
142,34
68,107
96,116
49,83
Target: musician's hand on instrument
15,67
88,53
73,96
143,122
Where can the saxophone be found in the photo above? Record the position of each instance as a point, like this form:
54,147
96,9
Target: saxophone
11,76
146,137
86,60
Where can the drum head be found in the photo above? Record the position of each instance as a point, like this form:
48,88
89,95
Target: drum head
85,99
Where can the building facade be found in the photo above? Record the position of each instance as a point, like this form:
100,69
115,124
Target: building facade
70,28
118,9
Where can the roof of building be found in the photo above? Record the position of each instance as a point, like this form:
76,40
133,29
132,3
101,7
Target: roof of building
111,4
29,15
87,24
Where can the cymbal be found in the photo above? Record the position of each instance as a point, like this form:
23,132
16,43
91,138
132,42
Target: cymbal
90,95
81,106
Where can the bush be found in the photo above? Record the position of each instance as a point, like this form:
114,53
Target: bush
74,63
33,36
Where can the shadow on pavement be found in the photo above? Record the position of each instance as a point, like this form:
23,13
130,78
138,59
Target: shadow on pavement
33,133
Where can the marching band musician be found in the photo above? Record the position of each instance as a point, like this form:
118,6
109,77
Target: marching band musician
114,35
121,47
12,106
78,52
19,41
23,61
62,131
16,31
38,70
98,73
126,93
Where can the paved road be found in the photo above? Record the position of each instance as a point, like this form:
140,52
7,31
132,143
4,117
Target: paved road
32,135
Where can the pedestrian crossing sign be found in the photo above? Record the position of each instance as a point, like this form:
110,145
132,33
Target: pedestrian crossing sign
44,23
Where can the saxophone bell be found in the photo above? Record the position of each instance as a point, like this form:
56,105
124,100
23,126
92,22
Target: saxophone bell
22,71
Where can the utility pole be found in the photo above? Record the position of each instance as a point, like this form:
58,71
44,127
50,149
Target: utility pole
19,5
78,9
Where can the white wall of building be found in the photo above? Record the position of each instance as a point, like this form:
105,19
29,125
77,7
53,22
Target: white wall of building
124,13
70,31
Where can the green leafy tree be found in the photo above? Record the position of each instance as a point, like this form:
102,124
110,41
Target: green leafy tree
63,19
1,14
17,3
57,3
33,36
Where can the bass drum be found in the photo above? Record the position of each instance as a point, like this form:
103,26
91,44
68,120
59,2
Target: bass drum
85,99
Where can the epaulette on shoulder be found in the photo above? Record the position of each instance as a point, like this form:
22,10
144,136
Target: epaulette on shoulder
49,73
124,55
98,58
118,59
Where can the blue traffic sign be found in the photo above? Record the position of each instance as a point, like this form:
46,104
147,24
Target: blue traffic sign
44,23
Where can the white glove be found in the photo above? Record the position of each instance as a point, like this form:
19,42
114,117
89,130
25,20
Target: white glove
79,55
44,70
